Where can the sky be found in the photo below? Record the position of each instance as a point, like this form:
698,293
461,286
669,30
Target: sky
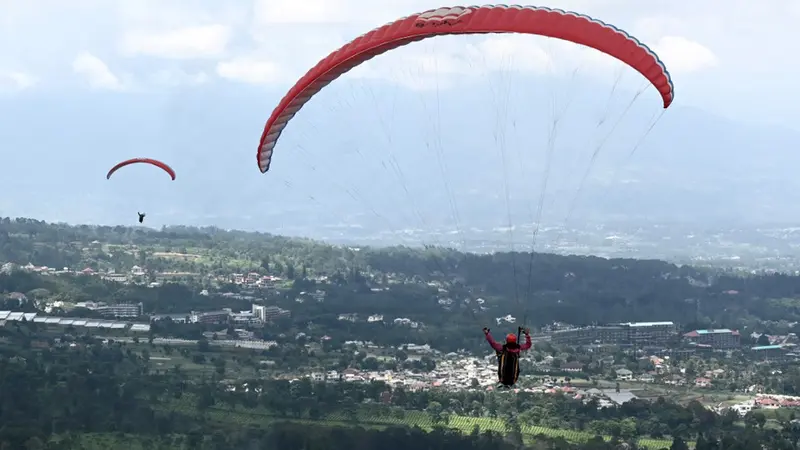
727,56
192,80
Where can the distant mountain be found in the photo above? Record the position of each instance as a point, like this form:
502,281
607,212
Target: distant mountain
366,155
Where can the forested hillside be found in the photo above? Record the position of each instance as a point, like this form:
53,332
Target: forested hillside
541,287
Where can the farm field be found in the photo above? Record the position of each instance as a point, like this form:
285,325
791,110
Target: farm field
368,419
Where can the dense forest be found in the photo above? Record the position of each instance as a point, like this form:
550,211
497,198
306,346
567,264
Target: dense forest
542,288
85,394
62,388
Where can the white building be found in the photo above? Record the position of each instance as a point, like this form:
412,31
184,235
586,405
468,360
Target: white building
122,310
245,317
210,316
268,313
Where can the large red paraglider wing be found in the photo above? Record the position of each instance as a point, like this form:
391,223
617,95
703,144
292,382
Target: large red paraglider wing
555,23
154,162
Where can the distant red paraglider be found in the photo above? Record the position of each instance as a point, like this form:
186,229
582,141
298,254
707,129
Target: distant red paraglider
154,162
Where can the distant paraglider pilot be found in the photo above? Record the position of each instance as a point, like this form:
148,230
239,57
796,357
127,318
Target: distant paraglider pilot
149,161
508,355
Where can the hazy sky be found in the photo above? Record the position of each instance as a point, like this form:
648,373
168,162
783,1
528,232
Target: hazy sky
87,83
726,56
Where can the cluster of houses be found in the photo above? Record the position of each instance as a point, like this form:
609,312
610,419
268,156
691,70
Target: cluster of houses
771,401
136,275
140,275
765,401
457,373
259,314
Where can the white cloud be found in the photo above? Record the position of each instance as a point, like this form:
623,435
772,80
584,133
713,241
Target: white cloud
309,11
294,35
96,72
15,81
207,41
174,14
335,11
416,71
177,77
436,65
681,55
520,52
450,61
298,34
251,70
276,41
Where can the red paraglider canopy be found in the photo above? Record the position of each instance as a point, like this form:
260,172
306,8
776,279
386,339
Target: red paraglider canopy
154,162
555,23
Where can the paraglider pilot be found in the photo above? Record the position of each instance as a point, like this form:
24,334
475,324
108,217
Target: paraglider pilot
141,216
508,355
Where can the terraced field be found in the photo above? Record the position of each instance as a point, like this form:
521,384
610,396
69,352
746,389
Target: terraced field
465,424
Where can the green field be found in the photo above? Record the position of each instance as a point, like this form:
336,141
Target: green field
465,424
106,441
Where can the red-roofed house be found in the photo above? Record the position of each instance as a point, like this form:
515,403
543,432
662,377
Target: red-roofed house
702,382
